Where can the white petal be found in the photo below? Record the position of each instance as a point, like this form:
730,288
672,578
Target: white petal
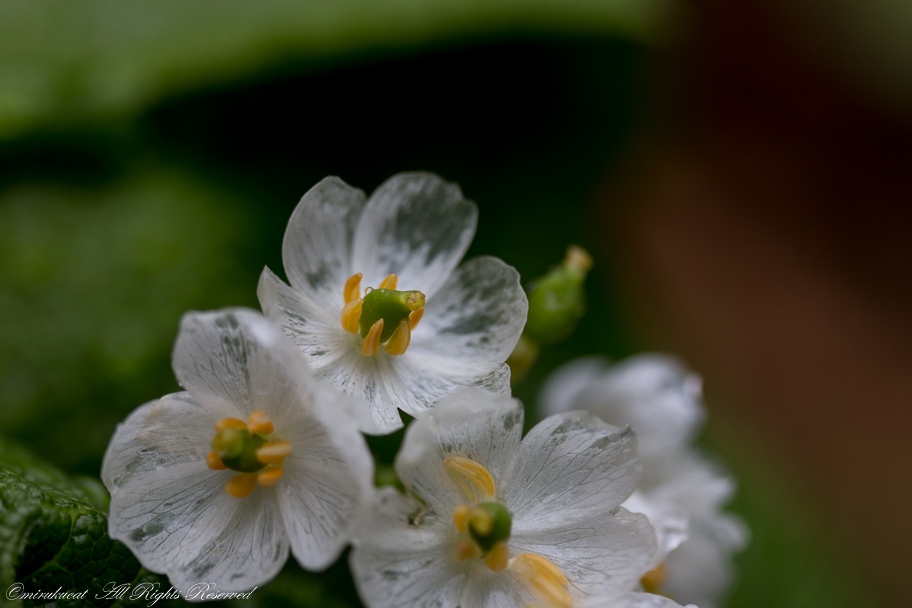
416,226
477,317
396,564
488,589
654,394
563,386
470,423
603,556
319,238
699,571
236,361
570,467
172,511
327,481
669,521
632,600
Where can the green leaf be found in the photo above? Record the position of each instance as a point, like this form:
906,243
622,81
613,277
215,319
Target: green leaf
53,536
65,63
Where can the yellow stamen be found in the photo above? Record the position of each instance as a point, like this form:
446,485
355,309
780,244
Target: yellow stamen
481,520
269,477
414,317
544,577
273,452
389,282
259,422
241,485
352,289
351,315
230,423
214,462
399,341
371,343
466,549
653,579
461,517
498,558
473,479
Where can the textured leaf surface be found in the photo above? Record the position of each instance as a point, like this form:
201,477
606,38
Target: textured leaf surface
53,535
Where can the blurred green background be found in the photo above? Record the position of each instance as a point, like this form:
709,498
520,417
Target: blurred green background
152,152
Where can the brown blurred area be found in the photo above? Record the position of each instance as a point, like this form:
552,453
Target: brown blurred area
765,237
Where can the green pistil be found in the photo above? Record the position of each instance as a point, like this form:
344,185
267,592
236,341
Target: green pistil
237,448
502,522
390,305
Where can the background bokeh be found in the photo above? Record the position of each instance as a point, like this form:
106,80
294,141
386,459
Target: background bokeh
740,171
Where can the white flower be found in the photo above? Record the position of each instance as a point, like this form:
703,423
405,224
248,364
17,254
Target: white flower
301,470
410,234
496,522
680,491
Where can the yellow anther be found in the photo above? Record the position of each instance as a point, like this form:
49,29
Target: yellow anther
230,423
498,558
653,579
214,462
544,577
414,317
473,479
466,549
370,346
399,341
461,517
259,422
352,288
269,477
273,452
481,521
241,485
389,282
351,316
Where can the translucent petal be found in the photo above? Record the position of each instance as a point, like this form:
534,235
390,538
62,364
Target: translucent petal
234,360
563,386
319,238
477,316
416,226
326,483
570,467
602,556
489,589
631,600
700,571
669,521
396,564
470,423
654,394
172,511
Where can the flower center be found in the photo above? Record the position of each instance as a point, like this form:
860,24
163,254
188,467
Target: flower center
383,316
246,447
484,526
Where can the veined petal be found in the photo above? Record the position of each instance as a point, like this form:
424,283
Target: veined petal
633,600
327,481
417,226
603,556
490,589
318,241
172,510
654,394
234,359
570,467
477,316
474,424
396,564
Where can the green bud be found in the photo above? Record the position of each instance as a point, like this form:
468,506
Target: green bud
557,300
501,522
237,448
390,305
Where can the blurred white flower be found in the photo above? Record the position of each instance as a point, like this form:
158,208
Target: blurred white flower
215,484
410,234
496,521
680,491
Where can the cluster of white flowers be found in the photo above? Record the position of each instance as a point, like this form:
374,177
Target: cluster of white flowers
264,451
